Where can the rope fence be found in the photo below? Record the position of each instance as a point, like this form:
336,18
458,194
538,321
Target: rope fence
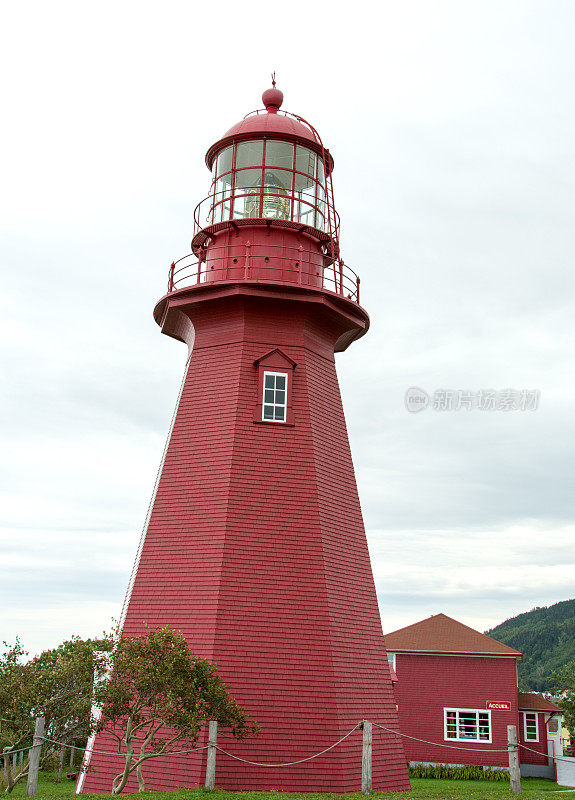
437,744
291,763
212,747
118,752
566,759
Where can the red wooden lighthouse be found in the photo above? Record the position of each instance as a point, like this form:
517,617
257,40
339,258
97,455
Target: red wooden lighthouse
255,547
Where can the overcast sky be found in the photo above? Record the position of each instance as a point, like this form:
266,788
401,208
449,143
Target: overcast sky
452,127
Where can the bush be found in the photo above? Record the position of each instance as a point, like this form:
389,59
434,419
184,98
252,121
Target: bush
471,772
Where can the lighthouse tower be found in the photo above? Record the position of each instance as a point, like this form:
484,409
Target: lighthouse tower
255,547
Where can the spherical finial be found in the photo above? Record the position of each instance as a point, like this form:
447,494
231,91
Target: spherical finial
272,98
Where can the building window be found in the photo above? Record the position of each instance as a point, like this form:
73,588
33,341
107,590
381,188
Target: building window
530,727
467,724
391,659
274,404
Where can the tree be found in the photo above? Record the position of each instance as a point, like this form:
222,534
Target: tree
564,683
18,688
69,675
159,695
58,685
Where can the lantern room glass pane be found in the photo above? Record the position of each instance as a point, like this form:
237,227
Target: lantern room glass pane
320,203
221,211
320,171
250,154
279,154
278,179
276,198
225,210
248,178
275,206
224,162
223,188
304,209
305,160
302,182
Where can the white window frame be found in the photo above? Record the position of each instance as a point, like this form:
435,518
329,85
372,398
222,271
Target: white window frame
391,660
531,714
457,738
274,404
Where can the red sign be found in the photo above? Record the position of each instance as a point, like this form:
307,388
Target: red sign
498,705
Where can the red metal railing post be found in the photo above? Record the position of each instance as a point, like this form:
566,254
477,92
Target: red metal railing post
171,277
340,276
198,276
247,264
357,289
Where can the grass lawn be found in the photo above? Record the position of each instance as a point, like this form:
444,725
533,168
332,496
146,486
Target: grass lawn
532,789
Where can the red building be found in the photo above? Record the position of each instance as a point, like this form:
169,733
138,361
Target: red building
457,689
255,547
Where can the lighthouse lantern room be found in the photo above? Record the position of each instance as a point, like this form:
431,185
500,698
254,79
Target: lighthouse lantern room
254,547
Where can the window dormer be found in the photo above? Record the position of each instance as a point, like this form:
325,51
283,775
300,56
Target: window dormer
275,374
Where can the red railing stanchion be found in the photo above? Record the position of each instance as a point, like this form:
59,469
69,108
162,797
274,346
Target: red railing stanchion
357,288
199,275
247,264
171,277
340,276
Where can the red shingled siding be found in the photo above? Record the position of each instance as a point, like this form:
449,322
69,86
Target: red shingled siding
428,684
256,551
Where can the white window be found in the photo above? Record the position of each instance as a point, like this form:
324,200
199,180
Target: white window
530,727
391,659
274,404
467,724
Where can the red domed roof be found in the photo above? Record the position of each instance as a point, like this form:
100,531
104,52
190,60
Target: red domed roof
270,123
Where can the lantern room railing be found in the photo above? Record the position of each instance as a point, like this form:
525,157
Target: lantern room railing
267,264
262,202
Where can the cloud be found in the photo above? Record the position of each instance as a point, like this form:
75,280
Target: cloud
471,573
452,130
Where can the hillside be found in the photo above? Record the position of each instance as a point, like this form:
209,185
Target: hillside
545,636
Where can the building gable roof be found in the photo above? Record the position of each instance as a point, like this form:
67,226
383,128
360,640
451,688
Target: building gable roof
528,701
442,634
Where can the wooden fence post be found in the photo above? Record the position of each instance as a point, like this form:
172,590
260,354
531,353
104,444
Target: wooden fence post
61,765
366,758
35,753
514,772
211,759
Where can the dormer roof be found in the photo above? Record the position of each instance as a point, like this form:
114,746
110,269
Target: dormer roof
276,354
